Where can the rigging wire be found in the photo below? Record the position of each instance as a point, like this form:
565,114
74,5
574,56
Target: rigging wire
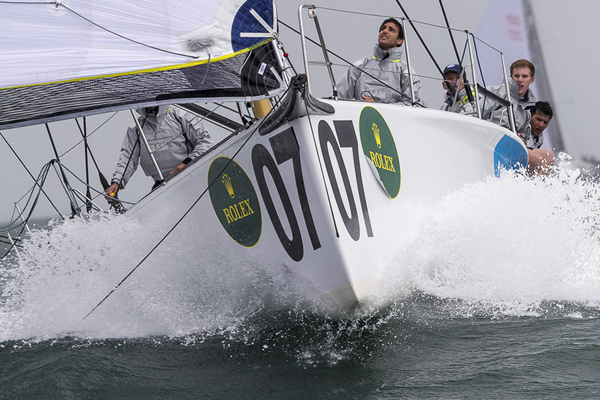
91,133
31,175
187,212
73,208
88,205
41,178
100,193
420,38
458,58
85,136
23,224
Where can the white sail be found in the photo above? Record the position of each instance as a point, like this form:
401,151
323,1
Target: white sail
76,57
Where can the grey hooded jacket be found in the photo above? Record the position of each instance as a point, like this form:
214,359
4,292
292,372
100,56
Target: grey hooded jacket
388,83
174,136
462,104
499,114
534,142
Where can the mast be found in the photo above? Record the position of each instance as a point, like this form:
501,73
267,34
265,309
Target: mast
541,76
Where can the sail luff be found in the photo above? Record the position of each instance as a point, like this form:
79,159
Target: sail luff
541,76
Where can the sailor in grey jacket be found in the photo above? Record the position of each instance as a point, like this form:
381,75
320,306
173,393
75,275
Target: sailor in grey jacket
498,114
383,77
453,101
175,138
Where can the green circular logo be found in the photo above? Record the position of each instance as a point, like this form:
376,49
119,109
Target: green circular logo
379,147
235,201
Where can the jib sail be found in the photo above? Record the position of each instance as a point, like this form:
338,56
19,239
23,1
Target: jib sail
67,58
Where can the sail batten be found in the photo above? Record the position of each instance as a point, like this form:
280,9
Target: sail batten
82,57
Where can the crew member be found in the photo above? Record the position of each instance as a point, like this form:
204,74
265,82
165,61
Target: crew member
456,98
540,160
383,77
522,74
175,138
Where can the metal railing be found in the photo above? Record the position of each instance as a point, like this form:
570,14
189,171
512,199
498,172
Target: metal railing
478,90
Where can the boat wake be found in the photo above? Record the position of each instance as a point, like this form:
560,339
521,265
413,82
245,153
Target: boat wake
508,246
495,249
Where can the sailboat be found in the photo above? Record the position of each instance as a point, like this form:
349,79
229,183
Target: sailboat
326,188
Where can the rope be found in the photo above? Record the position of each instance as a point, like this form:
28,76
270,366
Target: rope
100,26
186,213
121,36
85,142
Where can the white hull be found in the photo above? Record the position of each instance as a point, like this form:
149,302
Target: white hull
330,245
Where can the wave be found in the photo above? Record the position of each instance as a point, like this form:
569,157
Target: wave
503,247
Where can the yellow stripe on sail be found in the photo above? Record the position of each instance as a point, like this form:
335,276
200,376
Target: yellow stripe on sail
167,68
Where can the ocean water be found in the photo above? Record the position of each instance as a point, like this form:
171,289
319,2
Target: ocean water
497,297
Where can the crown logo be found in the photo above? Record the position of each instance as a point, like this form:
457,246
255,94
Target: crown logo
376,134
227,183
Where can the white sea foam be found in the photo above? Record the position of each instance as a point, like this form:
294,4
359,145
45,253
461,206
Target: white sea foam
66,270
508,244
511,242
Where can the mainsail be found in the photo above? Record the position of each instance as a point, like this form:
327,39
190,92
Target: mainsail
67,58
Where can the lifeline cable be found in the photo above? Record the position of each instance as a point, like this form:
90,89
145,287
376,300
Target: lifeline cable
186,213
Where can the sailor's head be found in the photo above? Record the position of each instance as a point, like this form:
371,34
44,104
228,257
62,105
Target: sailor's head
541,114
391,34
451,73
151,110
523,73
